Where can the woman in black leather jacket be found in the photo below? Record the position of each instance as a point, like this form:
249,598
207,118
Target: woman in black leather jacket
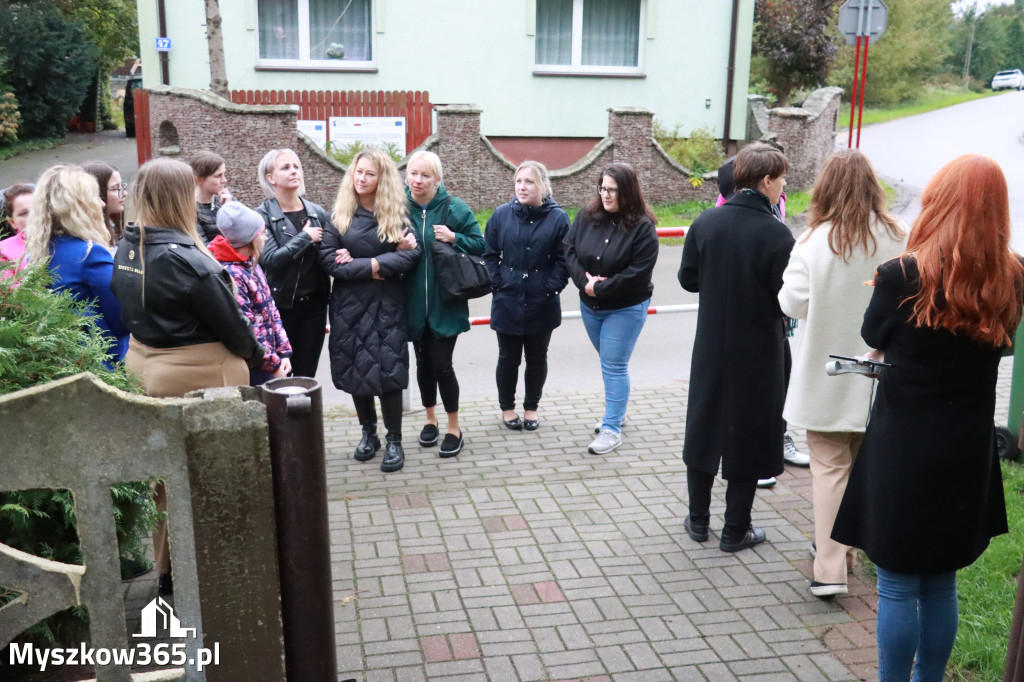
290,258
187,330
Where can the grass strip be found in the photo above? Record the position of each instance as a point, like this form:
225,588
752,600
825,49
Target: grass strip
15,148
929,101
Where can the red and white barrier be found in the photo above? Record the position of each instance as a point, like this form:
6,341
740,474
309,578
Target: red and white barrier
575,314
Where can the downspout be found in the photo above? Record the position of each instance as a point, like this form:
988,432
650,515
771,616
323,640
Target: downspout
165,69
730,78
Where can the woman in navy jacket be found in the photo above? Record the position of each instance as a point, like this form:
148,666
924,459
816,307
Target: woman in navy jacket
526,260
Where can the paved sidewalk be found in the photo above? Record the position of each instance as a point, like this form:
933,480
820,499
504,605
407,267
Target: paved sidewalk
525,558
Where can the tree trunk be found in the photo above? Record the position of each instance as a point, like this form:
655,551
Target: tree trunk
215,42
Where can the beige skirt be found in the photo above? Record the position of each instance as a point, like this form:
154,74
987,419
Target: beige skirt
173,372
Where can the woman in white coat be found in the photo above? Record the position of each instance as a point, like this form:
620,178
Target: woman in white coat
849,234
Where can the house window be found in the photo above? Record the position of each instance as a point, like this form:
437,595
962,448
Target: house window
316,33
600,37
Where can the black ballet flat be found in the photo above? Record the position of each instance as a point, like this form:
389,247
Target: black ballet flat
514,424
531,424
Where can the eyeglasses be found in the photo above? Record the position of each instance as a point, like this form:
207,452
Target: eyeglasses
610,191
121,189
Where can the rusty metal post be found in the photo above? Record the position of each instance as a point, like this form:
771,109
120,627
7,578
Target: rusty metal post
296,419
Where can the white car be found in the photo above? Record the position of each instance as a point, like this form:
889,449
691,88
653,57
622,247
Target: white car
1013,78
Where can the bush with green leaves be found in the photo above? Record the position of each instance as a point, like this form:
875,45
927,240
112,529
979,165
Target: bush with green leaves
344,153
46,336
701,152
50,77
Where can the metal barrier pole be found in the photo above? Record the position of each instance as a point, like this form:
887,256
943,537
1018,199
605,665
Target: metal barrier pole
1013,420
295,417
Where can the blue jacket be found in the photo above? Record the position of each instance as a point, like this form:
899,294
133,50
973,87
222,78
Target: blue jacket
85,269
526,260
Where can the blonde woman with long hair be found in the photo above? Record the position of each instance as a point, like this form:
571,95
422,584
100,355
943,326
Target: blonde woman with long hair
849,234
65,226
366,250
187,330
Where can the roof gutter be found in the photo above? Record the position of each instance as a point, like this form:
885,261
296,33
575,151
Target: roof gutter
730,77
165,70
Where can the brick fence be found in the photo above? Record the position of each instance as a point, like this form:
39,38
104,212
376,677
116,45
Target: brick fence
184,121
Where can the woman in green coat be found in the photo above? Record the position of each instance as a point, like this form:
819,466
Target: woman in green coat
433,324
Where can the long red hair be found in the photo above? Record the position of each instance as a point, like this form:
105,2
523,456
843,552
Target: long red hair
971,282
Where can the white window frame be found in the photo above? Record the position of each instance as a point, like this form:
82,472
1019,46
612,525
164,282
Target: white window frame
307,64
576,68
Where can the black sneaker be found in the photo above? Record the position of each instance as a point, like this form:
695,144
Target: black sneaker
428,436
754,536
698,532
451,445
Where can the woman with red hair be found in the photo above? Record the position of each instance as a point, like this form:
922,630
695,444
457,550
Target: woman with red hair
941,314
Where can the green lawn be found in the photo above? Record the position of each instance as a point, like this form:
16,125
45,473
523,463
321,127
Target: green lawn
930,100
9,150
987,590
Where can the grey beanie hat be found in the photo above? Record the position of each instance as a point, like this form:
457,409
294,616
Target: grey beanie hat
238,223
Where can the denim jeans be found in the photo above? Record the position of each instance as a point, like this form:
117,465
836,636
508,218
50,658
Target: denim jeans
917,619
614,334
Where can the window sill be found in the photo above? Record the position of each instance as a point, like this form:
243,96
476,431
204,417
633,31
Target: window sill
589,74
312,66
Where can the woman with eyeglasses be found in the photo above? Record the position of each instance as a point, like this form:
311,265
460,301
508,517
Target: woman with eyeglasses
611,250
112,193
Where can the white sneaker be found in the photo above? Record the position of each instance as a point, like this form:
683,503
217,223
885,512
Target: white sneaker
792,455
598,425
605,442
766,482
828,589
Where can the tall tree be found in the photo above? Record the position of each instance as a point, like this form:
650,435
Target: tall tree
215,43
112,27
797,42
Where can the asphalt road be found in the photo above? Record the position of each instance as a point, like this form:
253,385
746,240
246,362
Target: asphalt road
911,150
109,146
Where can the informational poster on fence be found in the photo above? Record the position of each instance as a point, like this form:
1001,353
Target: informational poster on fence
376,130
316,131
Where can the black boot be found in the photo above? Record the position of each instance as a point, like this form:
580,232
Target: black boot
369,444
394,455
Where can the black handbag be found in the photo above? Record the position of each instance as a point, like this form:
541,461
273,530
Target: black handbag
459,275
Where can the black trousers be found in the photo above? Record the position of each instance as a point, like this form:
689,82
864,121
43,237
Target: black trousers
434,370
511,348
306,323
390,407
739,498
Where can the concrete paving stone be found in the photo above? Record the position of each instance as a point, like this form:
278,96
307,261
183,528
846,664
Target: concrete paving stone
373,629
689,673
422,603
384,611
401,627
378,676
614,659
369,603
783,615
430,582
440,624
702,657
528,573
804,669
575,671
410,674
606,626
464,670
394,660
549,619
643,656
391,646
753,645
688,602
529,667
620,638
508,648
654,628
786,635
612,608
500,668
574,636
832,668
481,619
803,646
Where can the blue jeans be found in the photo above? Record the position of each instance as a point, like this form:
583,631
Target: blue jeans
917,619
614,334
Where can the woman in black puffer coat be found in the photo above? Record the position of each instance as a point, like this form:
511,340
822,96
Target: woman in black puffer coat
526,261
366,253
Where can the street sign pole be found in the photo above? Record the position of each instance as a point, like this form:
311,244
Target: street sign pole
853,95
860,21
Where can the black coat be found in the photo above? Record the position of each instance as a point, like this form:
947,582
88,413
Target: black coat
734,255
526,260
626,256
368,347
925,494
172,294
289,252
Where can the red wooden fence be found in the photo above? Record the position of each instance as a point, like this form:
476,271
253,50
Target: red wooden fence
143,140
319,105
